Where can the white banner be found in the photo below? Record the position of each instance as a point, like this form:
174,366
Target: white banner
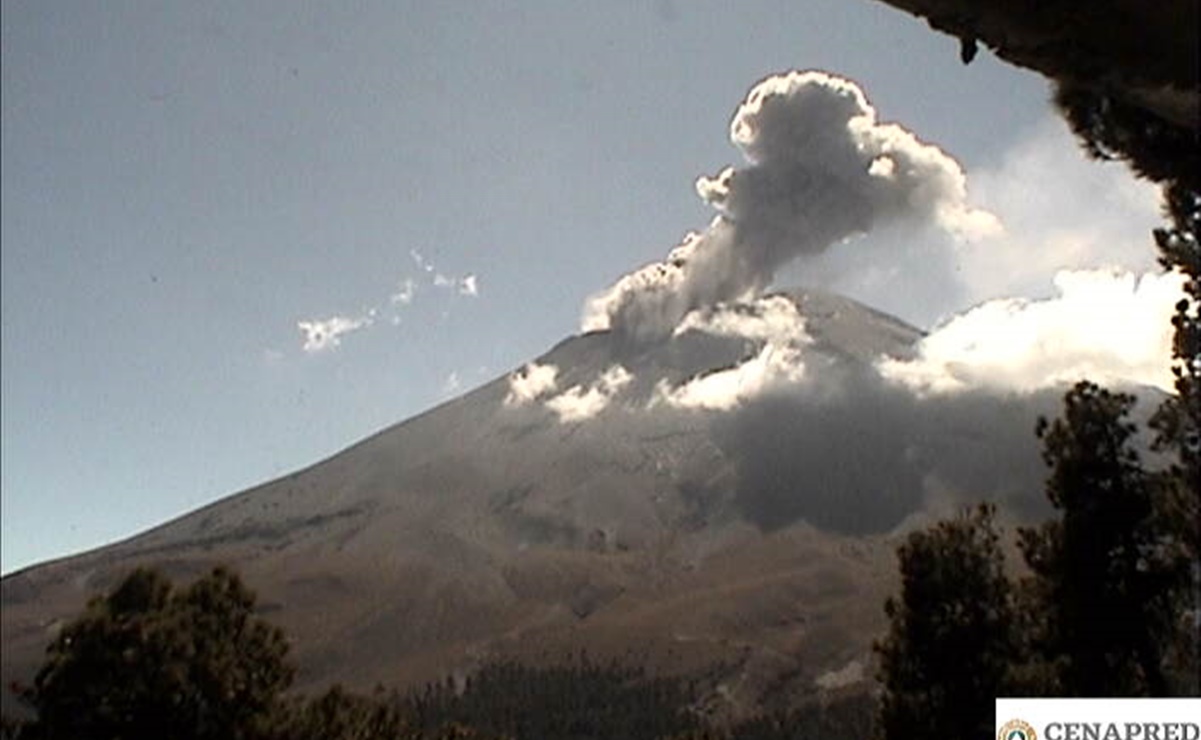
1098,719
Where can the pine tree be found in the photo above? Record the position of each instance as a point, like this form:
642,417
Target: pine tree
950,642
1177,425
1094,571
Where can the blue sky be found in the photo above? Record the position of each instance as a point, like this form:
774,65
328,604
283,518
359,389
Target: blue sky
183,183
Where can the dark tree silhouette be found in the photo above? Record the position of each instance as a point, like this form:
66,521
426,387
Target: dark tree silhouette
1113,602
1094,570
1112,129
149,661
1177,425
1140,55
950,641
341,715
580,699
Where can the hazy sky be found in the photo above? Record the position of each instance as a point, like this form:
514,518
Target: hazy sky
198,197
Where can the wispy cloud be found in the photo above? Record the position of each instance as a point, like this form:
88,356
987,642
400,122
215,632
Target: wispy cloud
419,260
321,335
405,293
325,334
469,286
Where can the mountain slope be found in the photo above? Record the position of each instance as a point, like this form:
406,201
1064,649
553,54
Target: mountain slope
757,537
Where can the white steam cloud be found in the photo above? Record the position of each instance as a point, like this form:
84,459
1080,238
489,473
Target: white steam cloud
1062,211
578,404
775,366
774,324
774,319
531,383
1108,326
536,382
820,168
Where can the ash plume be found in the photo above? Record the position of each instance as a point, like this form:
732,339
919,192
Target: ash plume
820,168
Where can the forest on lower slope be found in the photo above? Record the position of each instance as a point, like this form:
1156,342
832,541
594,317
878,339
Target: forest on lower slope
151,660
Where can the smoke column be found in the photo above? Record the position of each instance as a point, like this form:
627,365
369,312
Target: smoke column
819,169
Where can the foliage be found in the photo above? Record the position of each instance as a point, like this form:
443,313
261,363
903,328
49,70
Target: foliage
148,661
340,715
578,699
1109,607
1178,423
11,728
950,642
1096,571
1111,128
847,717
1177,426
1112,605
1170,155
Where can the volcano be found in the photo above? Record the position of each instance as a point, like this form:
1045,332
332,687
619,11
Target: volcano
752,541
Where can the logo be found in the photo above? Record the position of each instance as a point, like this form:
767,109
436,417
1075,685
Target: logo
1015,729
